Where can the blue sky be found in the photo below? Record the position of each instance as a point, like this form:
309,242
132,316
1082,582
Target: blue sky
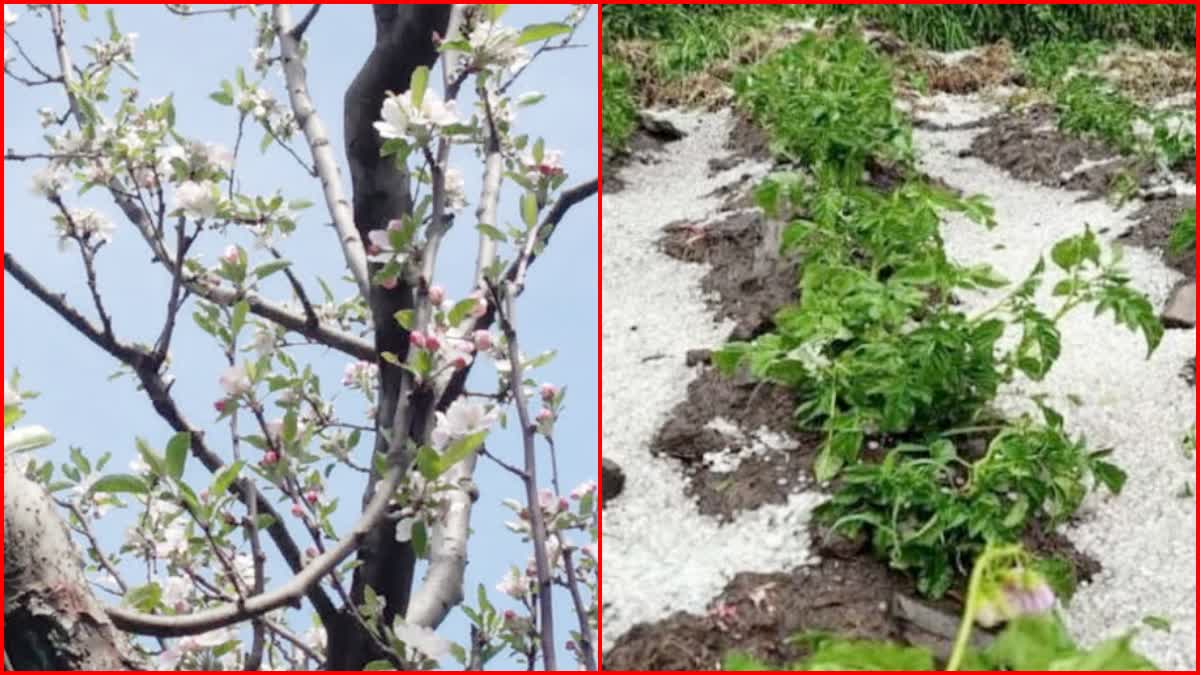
189,58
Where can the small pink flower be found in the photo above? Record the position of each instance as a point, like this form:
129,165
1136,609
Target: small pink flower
232,255
417,339
570,645
549,391
270,458
297,510
311,496
220,406
563,505
459,362
437,295
481,305
311,552
432,343
583,489
510,615
483,340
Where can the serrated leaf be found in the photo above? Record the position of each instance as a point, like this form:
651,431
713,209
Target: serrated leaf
541,31
177,453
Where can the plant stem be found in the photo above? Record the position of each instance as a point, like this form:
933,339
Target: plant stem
964,629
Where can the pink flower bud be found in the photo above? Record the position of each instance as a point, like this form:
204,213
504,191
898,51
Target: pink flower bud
311,496
570,645
509,615
311,552
395,224
270,458
231,255
481,306
297,510
563,505
549,391
220,406
545,415
432,343
417,339
437,295
483,340
459,362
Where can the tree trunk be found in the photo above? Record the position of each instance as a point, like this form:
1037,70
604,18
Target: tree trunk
403,42
52,620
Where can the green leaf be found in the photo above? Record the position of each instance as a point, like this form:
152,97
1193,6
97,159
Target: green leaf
120,483
238,321
151,458
461,309
1110,475
404,318
1030,643
743,661
460,450
492,233
380,664
420,538
428,463
494,12
420,79
1157,623
267,269
827,466
177,453
83,11
868,655
144,598
529,208
226,478
1115,654
222,97
541,31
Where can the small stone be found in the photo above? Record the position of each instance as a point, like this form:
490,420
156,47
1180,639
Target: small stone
1181,308
659,126
612,481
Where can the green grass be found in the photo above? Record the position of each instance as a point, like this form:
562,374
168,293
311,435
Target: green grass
620,107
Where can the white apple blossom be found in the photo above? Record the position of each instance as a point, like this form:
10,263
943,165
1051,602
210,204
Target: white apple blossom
551,165
172,541
9,17
231,255
462,418
139,465
456,190
514,584
401,119
51,180
421,639
361,374
494,44
197,199
404,529
87,224
264,345
584,489
235,382
380,242
176,589
259,56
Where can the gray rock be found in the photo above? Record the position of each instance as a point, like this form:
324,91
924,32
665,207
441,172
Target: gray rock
659,126
1181,308
612,481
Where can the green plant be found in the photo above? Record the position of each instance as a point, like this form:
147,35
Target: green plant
929,511
1048,63
827,100
1183,233
1090,106
1033,639
619,108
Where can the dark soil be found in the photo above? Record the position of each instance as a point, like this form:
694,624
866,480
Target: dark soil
1189,372
612,482
1153,230
746,142
767,478
846,597
1029,146
642,148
